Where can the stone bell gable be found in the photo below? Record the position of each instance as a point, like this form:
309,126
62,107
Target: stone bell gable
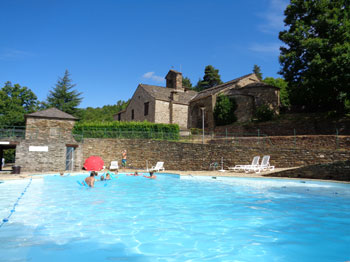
249,93
174,80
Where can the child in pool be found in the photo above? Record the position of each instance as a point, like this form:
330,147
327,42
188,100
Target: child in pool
151,176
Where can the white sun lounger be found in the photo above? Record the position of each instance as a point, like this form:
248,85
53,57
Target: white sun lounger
264,166
254,163
158,167
114,165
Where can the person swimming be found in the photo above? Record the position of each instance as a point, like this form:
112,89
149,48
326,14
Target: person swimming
108,177
151,176
90,181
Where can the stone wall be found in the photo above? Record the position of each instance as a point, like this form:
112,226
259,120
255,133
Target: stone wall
339,170
304,126
137,103
247,80
45,145
176,155
195,113
182,156
179,113
162,110
314,142
245,107
52,160
43,128
263,95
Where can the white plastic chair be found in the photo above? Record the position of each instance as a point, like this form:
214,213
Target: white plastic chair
264,166
254,163
159,166
114,165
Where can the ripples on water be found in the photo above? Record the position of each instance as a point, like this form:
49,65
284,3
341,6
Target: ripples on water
172,219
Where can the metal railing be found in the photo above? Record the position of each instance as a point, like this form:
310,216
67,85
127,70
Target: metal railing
257,139
12,132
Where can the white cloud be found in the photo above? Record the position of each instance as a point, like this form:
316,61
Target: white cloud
152,76
273,17
12,54
270,48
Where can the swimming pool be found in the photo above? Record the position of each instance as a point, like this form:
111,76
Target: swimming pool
172,219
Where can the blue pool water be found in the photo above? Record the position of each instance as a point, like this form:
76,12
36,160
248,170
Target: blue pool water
173,219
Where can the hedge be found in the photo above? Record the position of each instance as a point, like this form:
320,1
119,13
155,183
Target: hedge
117,129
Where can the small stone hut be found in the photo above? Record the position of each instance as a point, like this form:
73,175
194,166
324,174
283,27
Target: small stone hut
48,143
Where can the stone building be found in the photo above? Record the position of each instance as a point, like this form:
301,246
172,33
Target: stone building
159,104
175,104
249,93
49,143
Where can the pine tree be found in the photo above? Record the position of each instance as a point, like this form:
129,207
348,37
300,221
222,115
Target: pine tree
211,78
63,97
257,71
186,82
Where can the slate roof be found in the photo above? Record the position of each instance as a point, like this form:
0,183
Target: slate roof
218,88
163,93
260,84
51,113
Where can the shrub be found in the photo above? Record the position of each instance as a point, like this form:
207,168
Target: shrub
116,129
196,131
224,111
263,113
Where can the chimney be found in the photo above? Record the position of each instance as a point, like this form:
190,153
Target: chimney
174,80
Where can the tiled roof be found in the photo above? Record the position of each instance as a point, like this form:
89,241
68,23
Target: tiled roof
163,93
52,113
218,88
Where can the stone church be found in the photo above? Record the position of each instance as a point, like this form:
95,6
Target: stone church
175,104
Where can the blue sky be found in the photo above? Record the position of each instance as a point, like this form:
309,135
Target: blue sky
110,46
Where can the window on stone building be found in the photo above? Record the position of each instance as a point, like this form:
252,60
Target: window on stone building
119,116
146,108
132,114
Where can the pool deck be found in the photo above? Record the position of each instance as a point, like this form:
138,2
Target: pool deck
216,173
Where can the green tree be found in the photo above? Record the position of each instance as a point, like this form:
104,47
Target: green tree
211,78
63,97
224,110
15,102
103,114
186,82
257,71
315,59
282,85
264,113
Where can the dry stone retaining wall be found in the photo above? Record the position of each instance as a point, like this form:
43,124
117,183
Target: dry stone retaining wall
176,155
310,126
315,142
182,156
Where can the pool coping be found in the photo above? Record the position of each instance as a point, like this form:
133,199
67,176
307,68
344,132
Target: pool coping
205,173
